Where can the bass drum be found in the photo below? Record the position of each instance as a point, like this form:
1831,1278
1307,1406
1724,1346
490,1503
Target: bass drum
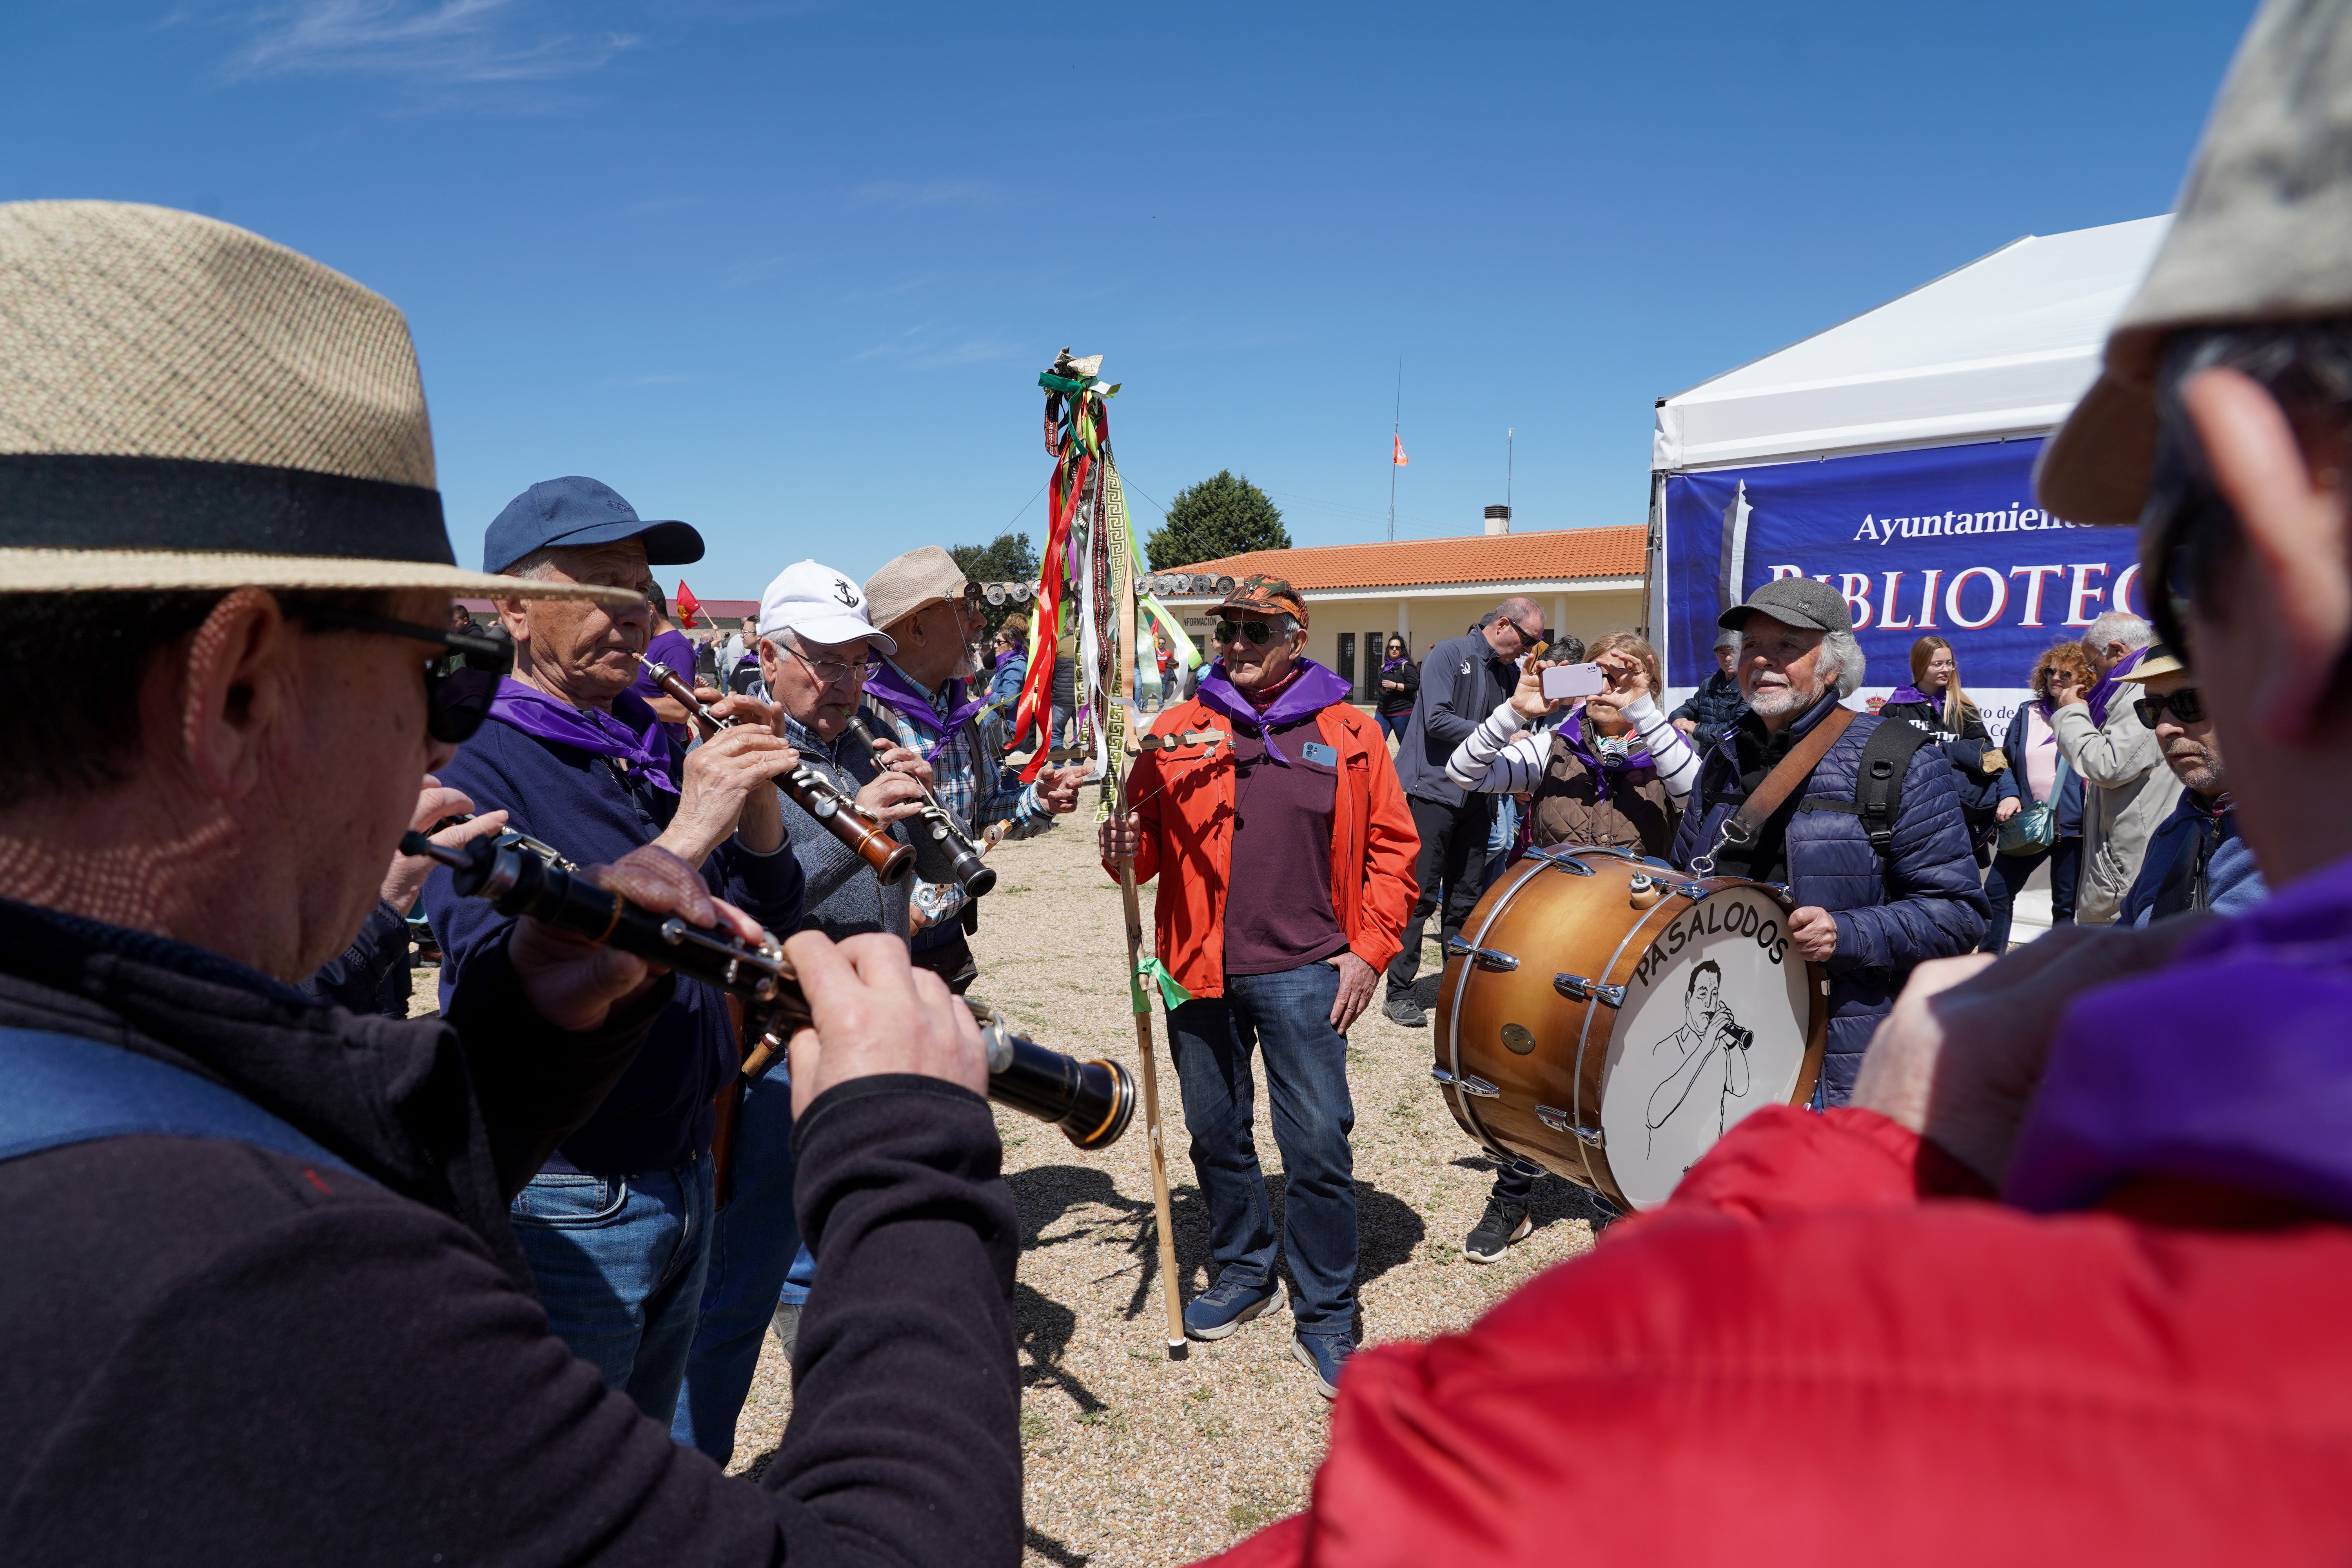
1609,1017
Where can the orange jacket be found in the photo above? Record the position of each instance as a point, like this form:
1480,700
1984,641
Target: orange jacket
1185,798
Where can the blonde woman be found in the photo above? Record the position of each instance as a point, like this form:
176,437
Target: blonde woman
1935,702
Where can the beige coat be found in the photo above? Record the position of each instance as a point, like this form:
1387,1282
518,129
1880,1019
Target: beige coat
2128,792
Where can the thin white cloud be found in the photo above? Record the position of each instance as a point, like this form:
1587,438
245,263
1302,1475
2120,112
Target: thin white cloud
444,40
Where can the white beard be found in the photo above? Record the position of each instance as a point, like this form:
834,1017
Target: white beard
1779,700
967,668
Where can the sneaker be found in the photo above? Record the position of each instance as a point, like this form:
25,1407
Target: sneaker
1324,1354
1402,1009
786,1326
1502,1225
1224,1306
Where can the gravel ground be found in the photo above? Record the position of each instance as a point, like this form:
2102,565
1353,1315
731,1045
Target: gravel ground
1133,1459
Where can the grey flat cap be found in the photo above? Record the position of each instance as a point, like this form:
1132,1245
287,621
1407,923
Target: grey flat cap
2263,233
1798,601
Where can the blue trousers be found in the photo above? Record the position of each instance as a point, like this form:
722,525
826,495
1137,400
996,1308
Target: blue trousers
619,1261
1286,1018
757,1259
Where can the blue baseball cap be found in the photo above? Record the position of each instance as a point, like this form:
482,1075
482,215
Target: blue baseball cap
574,510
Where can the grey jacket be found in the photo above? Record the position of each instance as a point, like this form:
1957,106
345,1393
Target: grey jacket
2127,793
843,898
1462,681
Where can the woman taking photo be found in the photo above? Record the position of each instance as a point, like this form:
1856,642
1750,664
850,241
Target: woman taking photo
2040,810
1400,682
1935,702
1615,773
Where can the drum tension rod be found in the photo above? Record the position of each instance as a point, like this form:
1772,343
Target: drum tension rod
1559,1122
1577,988
1485,957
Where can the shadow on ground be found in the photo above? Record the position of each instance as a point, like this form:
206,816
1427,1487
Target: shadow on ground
1555,1198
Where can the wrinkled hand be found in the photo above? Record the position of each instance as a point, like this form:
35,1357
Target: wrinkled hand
1813,933
1688,727
876,1013
1357,979
721,776
1958,1058
891,797
1628,681
2066,694
1527,700
2010,806
404,878
573,982
1121,838
1058,789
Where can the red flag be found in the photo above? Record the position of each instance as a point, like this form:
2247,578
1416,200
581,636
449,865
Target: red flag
1400,459
688,606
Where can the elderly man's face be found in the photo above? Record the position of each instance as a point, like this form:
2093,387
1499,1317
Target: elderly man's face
1252,665
2191,750
1778,672
1727,659
819,683
584,652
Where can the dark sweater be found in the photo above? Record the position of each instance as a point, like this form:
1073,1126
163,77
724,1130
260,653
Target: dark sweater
222,1355
658,1116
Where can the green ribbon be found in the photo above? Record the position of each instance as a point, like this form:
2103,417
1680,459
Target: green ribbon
1171,991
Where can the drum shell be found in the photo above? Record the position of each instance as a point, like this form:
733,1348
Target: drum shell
1574,911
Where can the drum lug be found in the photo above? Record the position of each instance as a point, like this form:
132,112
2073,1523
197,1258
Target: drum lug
1577,988
1467,1083
1559,1122
1485,957
1564,861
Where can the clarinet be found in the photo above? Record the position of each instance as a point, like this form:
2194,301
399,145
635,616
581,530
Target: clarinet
972,873
1090,1102
810,790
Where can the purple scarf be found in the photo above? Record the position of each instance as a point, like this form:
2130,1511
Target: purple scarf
2227,1067
1315,689
1572,735
629,733
2103,692
1909,693
890,684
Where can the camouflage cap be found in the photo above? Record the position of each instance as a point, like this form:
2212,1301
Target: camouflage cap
1267,596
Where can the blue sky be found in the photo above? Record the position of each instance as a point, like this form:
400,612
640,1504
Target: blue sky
789,270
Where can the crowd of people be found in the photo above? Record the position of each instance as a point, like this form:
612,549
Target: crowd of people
2045,1273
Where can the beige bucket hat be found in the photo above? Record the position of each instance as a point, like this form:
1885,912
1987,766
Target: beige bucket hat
2263,233
185,405
905,584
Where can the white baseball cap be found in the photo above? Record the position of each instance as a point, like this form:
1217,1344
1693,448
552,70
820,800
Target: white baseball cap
819,605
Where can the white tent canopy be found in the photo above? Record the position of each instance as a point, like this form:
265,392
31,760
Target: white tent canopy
2002,346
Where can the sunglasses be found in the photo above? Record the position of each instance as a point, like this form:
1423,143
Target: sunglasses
457,700
2187,705
1257,634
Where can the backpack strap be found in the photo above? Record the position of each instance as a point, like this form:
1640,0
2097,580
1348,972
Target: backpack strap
64,1090
1878,780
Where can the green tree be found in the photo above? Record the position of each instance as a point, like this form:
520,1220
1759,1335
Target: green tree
1009,558
1222,516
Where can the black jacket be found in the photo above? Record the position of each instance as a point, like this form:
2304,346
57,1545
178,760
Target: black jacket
1462,681
1390,703
219,1355
1713,708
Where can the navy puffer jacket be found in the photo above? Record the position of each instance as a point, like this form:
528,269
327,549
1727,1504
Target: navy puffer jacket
1923,900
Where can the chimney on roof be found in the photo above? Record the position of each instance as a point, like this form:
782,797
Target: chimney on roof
1499,520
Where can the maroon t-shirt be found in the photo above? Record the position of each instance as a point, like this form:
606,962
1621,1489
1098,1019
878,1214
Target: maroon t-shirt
1279,912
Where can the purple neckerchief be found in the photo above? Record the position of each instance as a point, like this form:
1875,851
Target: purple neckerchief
1315,689
1907,693
629,733
2228,1066
1571,735
890,684
2103,691
672,649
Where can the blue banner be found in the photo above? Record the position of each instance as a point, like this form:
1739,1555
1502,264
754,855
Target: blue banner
1946,541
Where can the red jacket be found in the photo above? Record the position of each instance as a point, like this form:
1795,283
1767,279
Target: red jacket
1185,798
1812,1355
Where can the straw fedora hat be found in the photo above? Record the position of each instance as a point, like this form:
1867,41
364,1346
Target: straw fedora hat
187,405
2263,233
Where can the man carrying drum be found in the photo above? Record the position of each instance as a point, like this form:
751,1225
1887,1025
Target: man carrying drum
1615,772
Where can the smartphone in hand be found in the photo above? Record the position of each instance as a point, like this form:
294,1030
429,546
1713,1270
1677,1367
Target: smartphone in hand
1572,681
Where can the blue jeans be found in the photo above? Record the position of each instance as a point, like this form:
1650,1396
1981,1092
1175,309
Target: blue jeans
757,1259
1394,725
1287,1017
619,1261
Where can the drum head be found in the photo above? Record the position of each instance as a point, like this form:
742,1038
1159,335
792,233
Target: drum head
1713,1028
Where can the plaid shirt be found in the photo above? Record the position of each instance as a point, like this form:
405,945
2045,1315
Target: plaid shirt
957,772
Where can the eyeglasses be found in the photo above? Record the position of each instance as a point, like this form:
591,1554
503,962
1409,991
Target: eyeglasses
830,671
457,700
1257,634
2187,705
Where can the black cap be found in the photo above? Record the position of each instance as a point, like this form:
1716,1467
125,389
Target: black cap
1798,601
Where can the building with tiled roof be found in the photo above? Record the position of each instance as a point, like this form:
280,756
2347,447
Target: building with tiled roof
1426,590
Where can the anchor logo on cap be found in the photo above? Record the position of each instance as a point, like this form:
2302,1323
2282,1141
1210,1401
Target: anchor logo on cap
844,592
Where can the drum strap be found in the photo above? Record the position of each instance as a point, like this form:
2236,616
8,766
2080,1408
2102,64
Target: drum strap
1742,827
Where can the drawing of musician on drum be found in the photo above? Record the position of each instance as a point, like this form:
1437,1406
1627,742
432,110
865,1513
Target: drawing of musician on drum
1712,1048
